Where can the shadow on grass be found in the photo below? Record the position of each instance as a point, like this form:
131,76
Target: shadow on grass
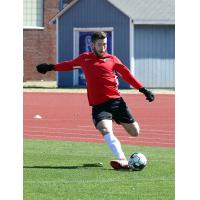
95,165
65,167
119,170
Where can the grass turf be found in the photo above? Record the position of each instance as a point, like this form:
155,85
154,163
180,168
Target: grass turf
57,170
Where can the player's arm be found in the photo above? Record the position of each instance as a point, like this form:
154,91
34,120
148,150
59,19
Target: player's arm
63,66
128,77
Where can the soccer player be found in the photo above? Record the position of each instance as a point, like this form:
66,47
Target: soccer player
101,70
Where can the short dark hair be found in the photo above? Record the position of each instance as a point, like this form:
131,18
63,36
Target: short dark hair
98,35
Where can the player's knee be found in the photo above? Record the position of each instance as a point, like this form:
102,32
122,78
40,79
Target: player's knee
104,126
104,131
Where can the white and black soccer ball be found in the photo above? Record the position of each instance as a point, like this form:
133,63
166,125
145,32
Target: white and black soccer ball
137,161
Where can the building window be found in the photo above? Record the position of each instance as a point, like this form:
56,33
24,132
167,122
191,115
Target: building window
33,13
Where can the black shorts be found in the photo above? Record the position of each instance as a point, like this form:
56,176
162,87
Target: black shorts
114,109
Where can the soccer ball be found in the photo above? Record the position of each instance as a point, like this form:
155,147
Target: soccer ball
137,161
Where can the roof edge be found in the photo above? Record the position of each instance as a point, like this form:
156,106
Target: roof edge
155,22
137,22
62,11
119,9
71,4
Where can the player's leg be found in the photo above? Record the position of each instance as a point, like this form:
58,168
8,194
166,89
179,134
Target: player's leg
132,128
102,118
106,129
123,116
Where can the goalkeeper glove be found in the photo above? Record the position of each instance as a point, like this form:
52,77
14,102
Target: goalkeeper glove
43,68
148,94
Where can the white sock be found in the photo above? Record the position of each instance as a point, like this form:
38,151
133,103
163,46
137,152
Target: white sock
114,145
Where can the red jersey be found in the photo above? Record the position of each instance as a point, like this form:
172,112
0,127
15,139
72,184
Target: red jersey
100,74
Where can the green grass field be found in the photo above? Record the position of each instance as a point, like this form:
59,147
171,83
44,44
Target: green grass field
57,170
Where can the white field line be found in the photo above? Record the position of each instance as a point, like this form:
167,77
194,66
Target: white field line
70,119
156,130
96,133
86,126
100,140
94,130
138,180
150,125
97,137
60,128
58,119
88,119
146,126
62,137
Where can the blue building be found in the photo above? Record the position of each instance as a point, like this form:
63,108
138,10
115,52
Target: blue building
140,32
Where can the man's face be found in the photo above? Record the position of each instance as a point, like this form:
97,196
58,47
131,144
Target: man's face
100,47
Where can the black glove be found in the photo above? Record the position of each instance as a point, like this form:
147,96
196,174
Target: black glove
148,94
43,68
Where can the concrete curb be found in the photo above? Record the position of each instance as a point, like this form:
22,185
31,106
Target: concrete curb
51,86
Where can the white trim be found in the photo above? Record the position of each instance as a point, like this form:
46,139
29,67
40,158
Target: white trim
57,36
113,41
94,29
131,47
62,11
154,22
75,54
57,43
76,31
33,27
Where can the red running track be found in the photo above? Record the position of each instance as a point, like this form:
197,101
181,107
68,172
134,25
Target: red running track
68,117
